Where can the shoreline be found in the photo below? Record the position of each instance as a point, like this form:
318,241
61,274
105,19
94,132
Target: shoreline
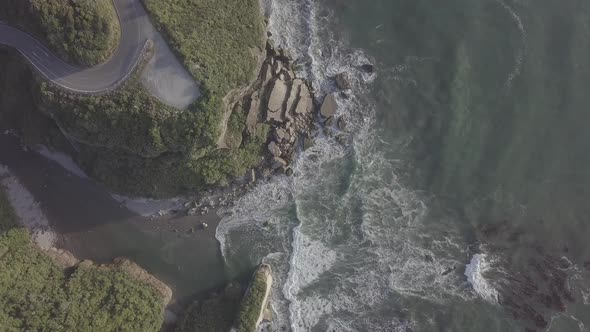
92,225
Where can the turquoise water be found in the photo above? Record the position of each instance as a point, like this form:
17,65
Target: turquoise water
460,202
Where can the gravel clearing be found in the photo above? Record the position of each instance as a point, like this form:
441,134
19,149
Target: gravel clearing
165,77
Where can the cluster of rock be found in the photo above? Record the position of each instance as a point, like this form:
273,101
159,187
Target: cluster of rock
218,198
284,102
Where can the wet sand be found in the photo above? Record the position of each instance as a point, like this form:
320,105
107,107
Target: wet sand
93,225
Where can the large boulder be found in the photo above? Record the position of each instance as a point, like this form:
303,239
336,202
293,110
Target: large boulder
274,149
305,103
278,163
282,135
343,81
329,106
341,123
276,102
293,94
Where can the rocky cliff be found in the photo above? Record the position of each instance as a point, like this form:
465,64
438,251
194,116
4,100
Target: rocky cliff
282,104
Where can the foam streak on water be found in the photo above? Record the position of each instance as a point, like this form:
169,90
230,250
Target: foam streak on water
519,57
474,272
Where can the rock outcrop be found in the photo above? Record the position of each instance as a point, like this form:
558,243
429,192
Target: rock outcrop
285,103
329,106
255,301
276,110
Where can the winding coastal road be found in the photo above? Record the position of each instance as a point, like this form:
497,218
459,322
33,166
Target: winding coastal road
136,29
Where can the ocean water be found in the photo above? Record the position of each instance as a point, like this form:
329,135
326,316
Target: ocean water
459,201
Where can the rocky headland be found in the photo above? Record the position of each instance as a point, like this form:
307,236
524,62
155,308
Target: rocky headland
256,299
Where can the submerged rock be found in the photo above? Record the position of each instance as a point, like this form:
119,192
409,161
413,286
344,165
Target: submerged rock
343,81
341,123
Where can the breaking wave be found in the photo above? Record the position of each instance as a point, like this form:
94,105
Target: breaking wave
475,273
344,235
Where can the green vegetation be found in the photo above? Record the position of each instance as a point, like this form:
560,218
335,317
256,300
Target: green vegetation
84,32
252,302
213,314
131,141
216,39
37,295
135,144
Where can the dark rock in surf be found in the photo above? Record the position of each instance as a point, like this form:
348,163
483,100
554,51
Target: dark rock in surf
341,123
448,271
343,81
289,171
368,68
307,143
329,122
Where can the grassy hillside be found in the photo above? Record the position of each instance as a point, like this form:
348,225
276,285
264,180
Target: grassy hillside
85,32
37,295
135,144
214,38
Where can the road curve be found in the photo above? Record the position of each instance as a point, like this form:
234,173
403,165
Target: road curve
101,78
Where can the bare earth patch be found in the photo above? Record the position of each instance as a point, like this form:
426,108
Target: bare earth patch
165,77
27,209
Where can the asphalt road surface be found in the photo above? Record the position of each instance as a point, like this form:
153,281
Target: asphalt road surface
134,35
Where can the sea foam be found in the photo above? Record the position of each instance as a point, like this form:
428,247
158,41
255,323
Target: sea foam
474,271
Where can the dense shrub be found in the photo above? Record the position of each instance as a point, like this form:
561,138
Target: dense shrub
135,144
252,303
37,295
85,32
